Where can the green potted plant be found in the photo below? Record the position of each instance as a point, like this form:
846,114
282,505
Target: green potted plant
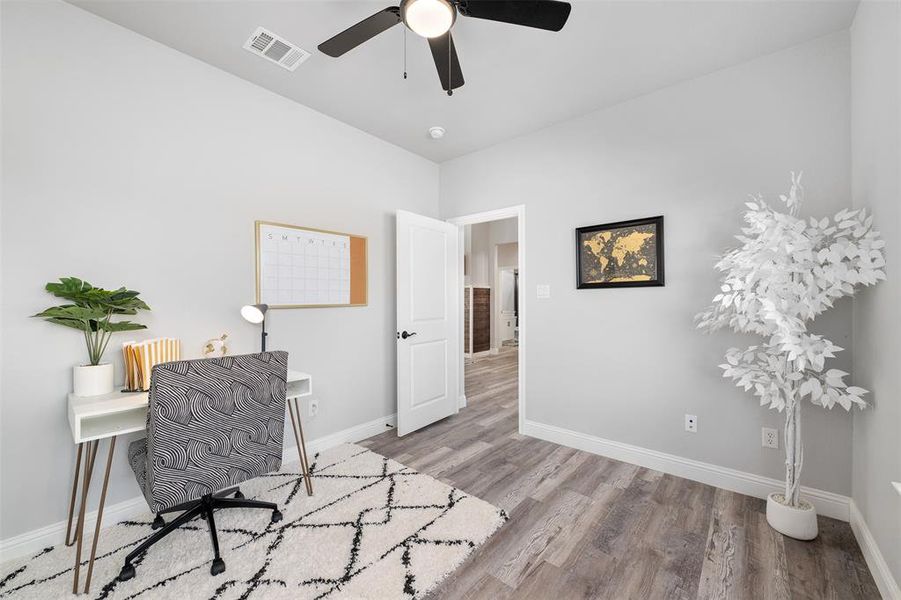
90,310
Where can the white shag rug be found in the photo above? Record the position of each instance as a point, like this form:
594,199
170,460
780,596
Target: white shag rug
373,529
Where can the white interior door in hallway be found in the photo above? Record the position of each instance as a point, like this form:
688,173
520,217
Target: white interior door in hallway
429,294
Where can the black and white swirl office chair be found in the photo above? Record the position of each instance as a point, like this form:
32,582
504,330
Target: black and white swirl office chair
211,424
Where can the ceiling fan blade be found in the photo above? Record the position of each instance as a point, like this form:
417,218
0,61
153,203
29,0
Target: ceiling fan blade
541,14
365,30
444,51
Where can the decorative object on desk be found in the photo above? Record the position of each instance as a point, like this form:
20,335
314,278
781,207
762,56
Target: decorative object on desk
90,310
140,358
786,273
622,254
216,347
373,557
297,267
256,314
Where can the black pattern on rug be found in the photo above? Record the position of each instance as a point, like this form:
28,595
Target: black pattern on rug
369,511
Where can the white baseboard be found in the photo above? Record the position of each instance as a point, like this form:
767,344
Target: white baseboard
827,503
879,568
461,401
345,436
33,541
494,351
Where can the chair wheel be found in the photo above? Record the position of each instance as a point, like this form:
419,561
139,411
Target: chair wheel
276,516
239,495
158,522
127,572
217,567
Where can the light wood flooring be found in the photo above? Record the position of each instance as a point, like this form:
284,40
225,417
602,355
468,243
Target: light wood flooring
584,526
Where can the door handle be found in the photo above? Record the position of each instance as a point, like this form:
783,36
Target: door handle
406,335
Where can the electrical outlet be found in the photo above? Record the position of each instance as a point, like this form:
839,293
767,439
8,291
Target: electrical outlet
769,437
543,290
314,408
691,423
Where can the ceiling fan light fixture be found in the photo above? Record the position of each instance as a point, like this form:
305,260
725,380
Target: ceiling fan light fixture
428,18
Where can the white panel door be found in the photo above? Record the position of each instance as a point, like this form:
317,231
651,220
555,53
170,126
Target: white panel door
428,321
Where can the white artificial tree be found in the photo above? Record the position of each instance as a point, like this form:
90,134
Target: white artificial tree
786,272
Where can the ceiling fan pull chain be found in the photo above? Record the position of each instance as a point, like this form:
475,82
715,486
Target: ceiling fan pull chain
405,52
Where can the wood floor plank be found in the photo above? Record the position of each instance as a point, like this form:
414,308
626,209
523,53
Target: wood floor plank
560,510
561,472
579,537
584,526
589,573
767,571
615,533
548,581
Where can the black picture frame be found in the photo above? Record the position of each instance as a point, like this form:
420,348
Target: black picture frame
657,222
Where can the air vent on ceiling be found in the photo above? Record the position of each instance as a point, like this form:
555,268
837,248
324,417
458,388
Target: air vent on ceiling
276,49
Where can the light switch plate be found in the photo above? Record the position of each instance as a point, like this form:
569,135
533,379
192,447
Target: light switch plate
543,290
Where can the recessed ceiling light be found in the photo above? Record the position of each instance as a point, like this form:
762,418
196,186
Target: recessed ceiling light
436,133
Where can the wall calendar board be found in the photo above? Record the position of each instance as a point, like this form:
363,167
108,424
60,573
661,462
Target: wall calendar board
299,267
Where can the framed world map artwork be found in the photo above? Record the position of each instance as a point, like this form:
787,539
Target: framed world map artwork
623,254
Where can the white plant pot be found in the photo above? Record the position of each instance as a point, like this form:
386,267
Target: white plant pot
795,522
93,380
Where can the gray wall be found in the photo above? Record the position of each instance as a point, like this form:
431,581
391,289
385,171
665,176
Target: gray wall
627,364
128,163
876,176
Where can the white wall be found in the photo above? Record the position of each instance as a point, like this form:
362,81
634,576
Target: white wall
507,262
876,176
128,163
500,233
479,254
508,255
627,364
467,255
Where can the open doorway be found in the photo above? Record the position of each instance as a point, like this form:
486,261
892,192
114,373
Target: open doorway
492,271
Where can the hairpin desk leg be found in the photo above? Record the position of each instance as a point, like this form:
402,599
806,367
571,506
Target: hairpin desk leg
89,455
301,445
109,462
71,540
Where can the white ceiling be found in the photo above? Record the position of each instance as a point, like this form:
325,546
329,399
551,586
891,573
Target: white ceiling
517,79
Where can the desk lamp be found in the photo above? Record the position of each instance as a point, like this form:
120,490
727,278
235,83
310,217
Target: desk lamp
256,313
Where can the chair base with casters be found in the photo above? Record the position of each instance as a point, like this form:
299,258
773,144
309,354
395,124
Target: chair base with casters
205,507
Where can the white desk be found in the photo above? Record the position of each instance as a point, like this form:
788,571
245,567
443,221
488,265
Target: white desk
96,418
99,417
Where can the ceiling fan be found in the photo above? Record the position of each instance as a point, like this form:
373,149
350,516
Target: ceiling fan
433,19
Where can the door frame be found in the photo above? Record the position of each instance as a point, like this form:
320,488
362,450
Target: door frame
518,211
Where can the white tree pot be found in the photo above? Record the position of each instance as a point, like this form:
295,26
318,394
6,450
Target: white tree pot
795,522
93,380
